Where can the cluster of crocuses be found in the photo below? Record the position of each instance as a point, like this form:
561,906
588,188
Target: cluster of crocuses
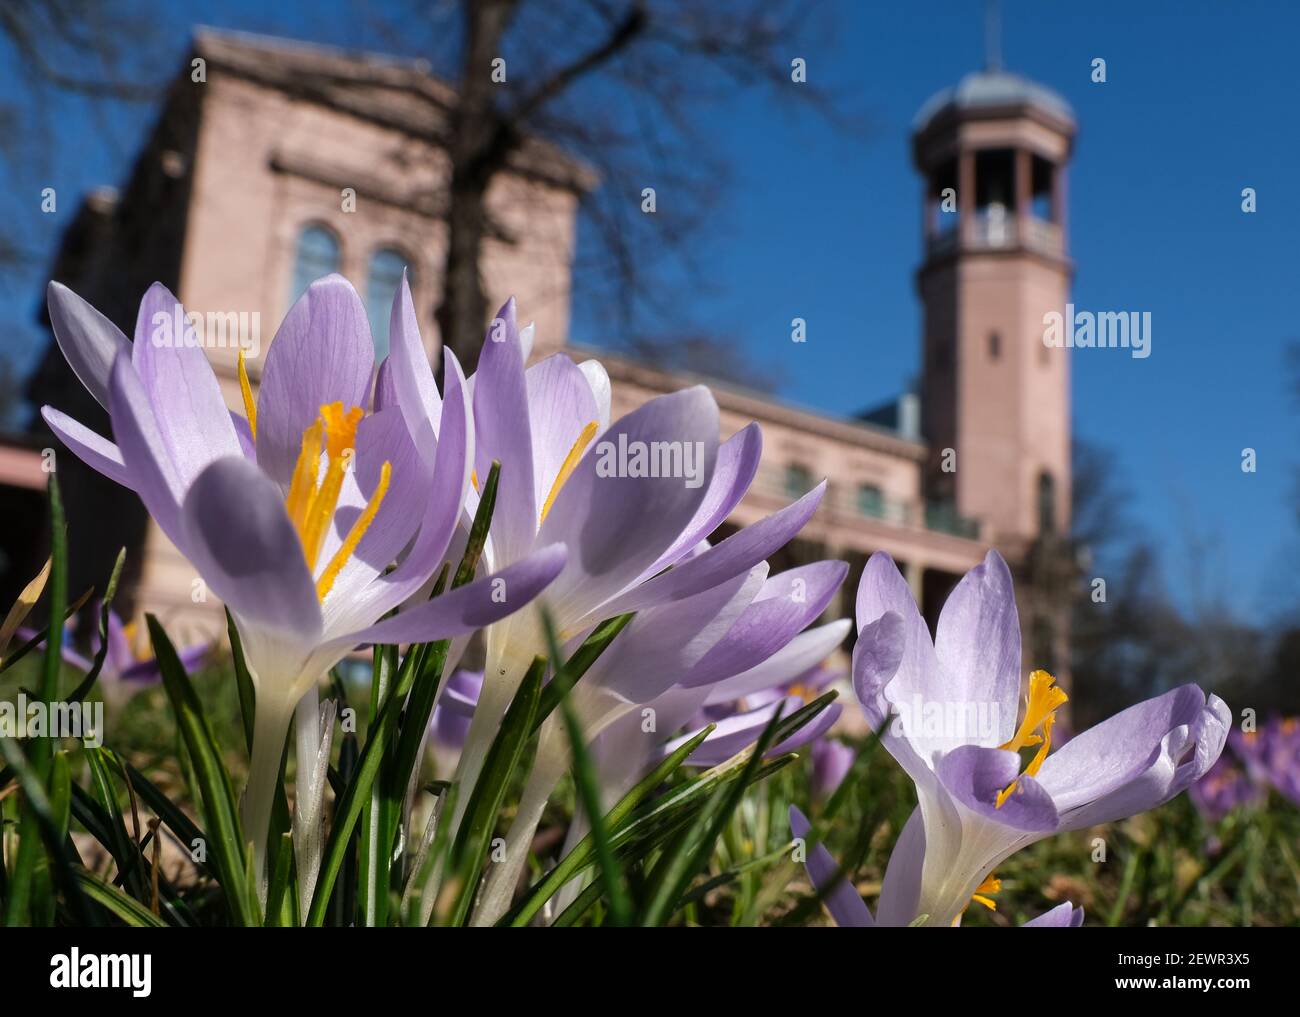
1268,757
322,515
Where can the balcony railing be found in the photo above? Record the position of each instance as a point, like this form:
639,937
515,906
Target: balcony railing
846,501
989,231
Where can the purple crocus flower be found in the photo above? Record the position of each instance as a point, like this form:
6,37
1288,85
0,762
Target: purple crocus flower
850,911
947,711
694,644
832,760
1271,755
122,663
1225,786
450,721
293,514
570,477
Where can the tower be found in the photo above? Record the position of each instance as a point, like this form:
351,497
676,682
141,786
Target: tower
992,152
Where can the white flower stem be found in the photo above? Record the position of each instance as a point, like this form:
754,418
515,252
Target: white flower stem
269,729
499,888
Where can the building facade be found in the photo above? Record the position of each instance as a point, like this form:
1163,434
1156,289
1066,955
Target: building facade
241,197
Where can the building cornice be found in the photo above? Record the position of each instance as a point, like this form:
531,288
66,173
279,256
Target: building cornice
759,407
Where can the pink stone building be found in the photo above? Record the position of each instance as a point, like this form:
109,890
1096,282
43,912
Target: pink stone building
274,162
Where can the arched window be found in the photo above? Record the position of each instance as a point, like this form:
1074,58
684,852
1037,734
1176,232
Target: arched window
317,255
383,277
1046,503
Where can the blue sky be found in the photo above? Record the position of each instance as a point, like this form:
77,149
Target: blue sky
1200,102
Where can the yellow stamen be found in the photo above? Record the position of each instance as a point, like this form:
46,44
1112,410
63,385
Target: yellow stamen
568,466
250,407
303,486
473,479
359,528
983,892
1044,699
340,441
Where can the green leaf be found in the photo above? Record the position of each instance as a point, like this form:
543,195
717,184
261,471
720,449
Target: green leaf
673,872
577,665
123,848
281,881
356,792
101,655
473,838
243,681
221,815
584,776
186,831
126,908
583,852
30,894
51,830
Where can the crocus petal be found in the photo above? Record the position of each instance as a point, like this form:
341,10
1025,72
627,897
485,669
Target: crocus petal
595,515
738,459
321,354
784,607
89,341
560,406
244,433
802,652
900,891
741,551
601,391
503,432
381,437
98,453
385,396
974,776
467,608
663,643
918,680
978,645
876,657
1063,916
1138,759
841,899
144,455
447,490
739,731
411,374
832,761
181,385
239,537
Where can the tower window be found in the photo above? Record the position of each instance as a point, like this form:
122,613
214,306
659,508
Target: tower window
995,346
317,255
383,277
798,480
1046,503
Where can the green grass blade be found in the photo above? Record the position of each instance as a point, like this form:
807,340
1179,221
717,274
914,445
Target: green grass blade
474,836
126,908
583,852
221,815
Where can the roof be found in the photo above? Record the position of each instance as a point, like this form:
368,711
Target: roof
398,92
990,90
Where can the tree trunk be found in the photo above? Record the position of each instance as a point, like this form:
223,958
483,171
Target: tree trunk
477,148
